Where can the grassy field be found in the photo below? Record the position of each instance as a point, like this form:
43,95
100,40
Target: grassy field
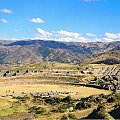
77,91
44,65
54,77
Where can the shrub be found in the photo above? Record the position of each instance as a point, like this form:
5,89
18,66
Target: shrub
60,109
82,72
66,99
97,100
111,99
82,105
101,111
36,110
72,117
22,99
53,101
64,117
117,96
88,99
103,96
63,107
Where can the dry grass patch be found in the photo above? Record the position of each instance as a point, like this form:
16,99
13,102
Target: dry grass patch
77,91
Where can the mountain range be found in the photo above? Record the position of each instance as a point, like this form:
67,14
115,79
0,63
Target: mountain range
30,51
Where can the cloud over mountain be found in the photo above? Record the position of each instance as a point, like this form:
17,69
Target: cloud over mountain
91,35
60,35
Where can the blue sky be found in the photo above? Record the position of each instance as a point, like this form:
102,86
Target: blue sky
60,20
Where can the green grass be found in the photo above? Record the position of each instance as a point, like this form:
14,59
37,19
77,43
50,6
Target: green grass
43,66
7,107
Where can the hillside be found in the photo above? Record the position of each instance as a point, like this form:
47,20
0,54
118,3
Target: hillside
30,51
18,54
111,57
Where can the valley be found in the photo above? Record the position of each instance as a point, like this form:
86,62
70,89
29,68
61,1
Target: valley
51,80
27,90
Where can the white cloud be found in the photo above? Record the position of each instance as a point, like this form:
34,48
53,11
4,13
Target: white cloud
4,21
36,20
91,35
61,35
69,34
107,39
14,39
112,35
42,34
7,11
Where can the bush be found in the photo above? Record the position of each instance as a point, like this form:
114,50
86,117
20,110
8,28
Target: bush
100,107
117,96
97,100
64,117
82,105
60,109
72,117
66,99
111,99
21,99
82,72
101,111
36,110
53,101
103,96
88,99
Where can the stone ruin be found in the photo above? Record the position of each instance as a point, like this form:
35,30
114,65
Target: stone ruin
10,73
109,82
51,93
